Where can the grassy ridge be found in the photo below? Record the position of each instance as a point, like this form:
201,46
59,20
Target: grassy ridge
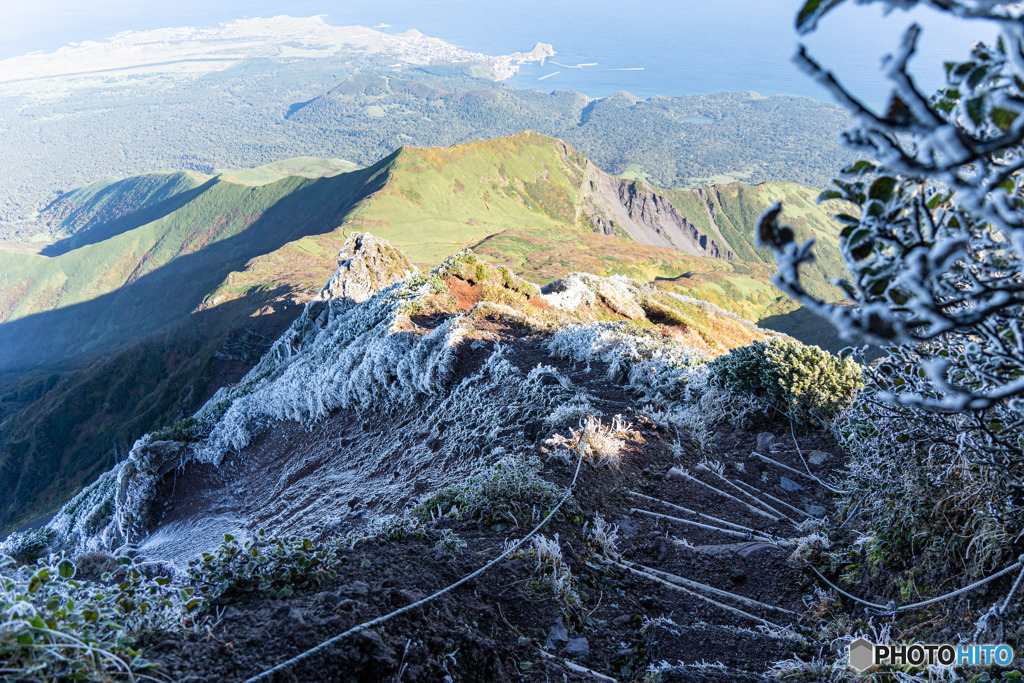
106,294
123,330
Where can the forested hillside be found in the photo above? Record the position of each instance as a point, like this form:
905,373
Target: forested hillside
263,111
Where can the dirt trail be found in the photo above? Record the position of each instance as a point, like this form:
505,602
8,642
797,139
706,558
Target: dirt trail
697,547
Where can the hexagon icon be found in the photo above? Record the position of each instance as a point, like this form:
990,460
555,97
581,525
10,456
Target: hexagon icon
862,654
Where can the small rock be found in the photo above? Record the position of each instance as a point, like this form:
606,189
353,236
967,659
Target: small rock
790,485
626,526
621,621
292,621
578,648
326,600
813,510
765,441
557,635
737,575
817,457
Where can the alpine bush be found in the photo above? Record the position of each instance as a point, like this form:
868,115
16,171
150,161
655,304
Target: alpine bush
54,627
809,385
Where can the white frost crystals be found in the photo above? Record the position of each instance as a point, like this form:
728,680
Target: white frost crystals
653,366
371,400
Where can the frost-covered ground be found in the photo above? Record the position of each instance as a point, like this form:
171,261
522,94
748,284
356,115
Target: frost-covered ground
390,385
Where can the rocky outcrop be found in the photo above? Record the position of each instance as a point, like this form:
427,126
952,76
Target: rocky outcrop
617,206
138,483
366,265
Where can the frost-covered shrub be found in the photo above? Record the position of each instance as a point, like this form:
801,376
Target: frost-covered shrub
935,486
702,407
185,429
554,573
809,385
73,529
657,367
604,536
55,627
449,543
511,491
604,443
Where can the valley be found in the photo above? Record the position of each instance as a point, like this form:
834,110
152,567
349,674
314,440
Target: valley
147,279
256,91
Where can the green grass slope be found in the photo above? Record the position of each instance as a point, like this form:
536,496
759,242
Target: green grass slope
116,337
107,207
104,295
732,211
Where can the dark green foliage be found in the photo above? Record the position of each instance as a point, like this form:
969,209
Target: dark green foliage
31,545
53,627
187,429
807,384
272,566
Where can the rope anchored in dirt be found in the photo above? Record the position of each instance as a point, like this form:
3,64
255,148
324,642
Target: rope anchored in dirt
892,608
419,603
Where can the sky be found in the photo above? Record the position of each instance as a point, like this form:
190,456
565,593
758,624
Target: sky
684,46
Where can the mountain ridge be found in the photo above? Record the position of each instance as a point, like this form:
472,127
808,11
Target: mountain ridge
521,203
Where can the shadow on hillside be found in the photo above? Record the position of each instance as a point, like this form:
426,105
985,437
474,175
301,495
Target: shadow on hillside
56,338
805,326
64,432
130,221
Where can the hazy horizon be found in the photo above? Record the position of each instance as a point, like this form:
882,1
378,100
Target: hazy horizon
682,47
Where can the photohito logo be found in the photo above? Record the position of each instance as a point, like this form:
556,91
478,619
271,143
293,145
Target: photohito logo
864,654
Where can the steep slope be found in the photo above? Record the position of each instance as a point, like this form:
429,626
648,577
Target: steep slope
730,212
108,207
165,311
411,349
411,427
100,296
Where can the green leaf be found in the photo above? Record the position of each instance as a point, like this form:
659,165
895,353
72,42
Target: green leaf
882,188
977,108
284,593
66,568
858,168
1003,118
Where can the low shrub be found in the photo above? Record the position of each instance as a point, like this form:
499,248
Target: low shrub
187,429
511,491
809,385
272,566
54,627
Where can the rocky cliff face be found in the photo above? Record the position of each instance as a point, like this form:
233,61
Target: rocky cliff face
618,206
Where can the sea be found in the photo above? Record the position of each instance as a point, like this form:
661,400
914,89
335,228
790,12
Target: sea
650,47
